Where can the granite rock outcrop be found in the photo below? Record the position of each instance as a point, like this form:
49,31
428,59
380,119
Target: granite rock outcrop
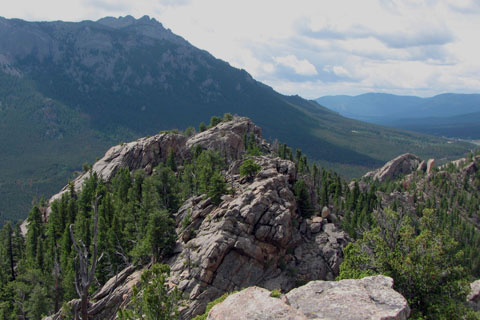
368,298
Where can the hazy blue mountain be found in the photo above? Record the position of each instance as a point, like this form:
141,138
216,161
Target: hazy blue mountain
371,107
450,115
71,90
465,126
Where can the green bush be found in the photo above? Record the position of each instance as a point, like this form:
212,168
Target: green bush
153,299
276,293
211,304
249,169
423,260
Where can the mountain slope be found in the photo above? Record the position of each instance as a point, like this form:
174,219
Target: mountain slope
192,204
464,126
450,115
123,78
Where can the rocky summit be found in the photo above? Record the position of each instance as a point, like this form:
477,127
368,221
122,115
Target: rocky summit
253,237
368,298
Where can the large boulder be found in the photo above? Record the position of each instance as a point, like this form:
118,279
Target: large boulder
254,303
368,298
228,138
401,165
430,166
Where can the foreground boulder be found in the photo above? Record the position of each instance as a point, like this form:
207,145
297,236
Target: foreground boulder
368,298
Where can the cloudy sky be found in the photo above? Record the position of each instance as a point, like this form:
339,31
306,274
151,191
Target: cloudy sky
313,48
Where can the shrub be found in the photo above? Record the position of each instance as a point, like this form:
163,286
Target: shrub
249,169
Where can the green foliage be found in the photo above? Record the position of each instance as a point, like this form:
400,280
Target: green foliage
202,127
85,167
214,120
34,235
190,131
49,110
216,188
160,237
276,293
302,195
212,304
424,263
249,169
153,299
227,117
251,146
135,223
187,220
171,162
285,152
208,165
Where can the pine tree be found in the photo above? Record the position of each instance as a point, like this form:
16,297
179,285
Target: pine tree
249,169
302,196
34,233
217,187
171,162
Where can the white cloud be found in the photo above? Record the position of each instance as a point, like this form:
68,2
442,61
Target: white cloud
301,67
309,47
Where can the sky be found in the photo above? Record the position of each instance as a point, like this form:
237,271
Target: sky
312,47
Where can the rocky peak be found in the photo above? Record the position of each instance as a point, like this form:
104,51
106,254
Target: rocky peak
146,153
118,23
401,165
146,26
256,231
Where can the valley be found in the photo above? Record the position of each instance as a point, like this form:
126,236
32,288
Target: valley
142,177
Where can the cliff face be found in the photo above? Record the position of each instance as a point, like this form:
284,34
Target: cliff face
255,236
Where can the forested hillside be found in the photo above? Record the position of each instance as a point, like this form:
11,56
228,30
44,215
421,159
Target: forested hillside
224,199
445,115
74,89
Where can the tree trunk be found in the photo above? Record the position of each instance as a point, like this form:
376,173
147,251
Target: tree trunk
84,305
10,251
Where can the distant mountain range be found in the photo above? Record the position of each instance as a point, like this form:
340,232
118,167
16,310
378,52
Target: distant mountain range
68,91
448,115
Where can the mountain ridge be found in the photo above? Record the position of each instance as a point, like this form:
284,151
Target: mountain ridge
134,80
440,115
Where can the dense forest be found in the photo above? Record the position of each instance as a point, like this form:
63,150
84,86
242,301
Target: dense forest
425,236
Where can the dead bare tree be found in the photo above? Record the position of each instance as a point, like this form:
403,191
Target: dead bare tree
84,275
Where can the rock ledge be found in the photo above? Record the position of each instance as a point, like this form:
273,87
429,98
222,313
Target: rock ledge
367,298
